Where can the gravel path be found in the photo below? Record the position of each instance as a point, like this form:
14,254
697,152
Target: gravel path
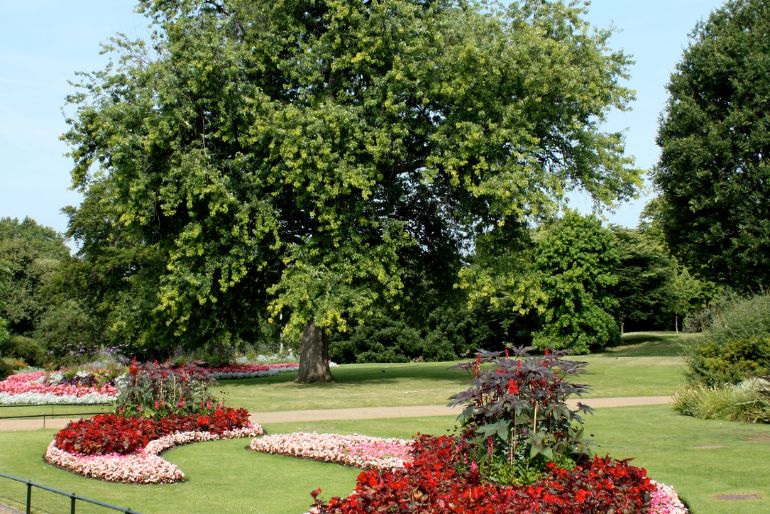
292,416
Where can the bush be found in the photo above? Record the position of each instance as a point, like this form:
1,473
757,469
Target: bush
26,349
381,340
70,333
741,319
713,364
748,401
516,411
5,369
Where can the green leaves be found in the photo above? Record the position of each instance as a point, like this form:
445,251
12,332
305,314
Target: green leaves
500,428
322,161
714,137
576,259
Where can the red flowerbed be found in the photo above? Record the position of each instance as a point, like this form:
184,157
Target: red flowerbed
432,483
108,433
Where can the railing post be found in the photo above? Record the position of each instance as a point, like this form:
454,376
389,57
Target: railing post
29,497
73,499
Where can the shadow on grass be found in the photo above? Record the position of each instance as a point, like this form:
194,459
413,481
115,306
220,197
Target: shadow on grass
369,374
653,344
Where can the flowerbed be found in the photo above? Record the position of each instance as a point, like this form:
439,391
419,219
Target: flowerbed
250,370
352,450
109,433
438,479
33,388
126,449
144,466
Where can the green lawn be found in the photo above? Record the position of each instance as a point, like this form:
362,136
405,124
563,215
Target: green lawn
651,366
701,459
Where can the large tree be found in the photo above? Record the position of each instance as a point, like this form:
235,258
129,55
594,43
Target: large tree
29,254
308,159
714,168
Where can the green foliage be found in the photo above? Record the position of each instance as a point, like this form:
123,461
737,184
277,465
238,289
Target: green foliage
713,171
516,412
5,369
4,335
382,340
644,270
575,259
736,345
70,333
24,348
741,318
313,163
748,401
31,253
715,363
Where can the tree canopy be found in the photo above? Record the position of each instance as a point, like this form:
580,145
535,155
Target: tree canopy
306,160
714,172
30,253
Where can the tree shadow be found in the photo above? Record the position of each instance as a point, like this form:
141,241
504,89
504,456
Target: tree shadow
653,344
369,374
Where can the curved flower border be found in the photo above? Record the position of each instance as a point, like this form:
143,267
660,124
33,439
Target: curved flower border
30,388
374,452
665,500
351,450
144,466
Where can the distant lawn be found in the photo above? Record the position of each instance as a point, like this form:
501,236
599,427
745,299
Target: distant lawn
651,366
701,459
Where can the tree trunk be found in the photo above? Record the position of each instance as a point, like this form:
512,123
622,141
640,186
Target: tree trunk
676,323
314,356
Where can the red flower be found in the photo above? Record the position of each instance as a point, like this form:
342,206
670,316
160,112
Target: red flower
513,387
133,369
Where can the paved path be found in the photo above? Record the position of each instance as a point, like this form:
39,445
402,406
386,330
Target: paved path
293,416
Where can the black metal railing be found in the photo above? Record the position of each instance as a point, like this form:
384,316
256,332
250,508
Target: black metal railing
74,498
52,414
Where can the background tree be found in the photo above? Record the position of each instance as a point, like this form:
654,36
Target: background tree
714,172
306,160
575,260
5,272
31,253
644,272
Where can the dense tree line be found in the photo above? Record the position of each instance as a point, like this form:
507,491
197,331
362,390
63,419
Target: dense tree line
386,180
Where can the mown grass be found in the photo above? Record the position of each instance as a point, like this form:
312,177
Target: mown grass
651,366
224,476
648,364
701,459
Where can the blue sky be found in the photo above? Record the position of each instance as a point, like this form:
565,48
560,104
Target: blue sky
44,42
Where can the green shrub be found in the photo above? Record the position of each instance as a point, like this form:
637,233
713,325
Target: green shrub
748,401
742,318
69,333
713,364
5,369
437,346
26,349
381,340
